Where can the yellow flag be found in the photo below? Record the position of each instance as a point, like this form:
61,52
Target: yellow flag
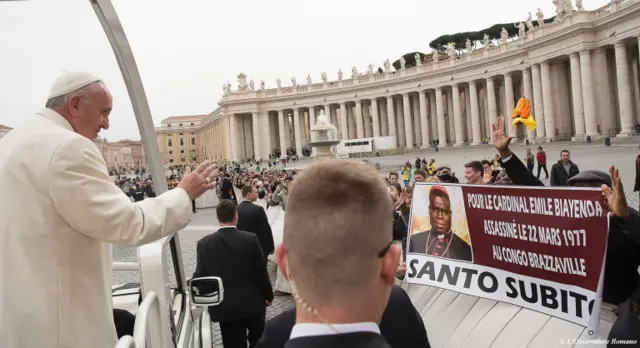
522,114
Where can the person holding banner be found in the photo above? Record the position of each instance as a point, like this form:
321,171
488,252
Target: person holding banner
440,240
621,279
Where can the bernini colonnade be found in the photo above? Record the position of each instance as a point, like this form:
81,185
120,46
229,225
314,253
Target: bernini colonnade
580,73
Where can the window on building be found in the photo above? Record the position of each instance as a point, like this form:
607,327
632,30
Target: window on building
169,125
181,151
170,160
181,141
193,141
170,152
169,142
193,124
183,159
180,125
193,159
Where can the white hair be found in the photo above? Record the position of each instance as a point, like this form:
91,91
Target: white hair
59,101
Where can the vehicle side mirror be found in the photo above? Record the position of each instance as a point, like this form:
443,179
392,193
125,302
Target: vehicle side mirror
206,291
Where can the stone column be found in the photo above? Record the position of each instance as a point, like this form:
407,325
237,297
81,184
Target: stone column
375,117
547,100
475,114
408,127
509,102
457,115
343,121
424,122
491,100
576,90
367,121
283,142
358,116
391,119
434,116
588,96
624,90
384,120
451,136
312,117
296,131
266,127
442,129
256,135
234,137
402,139
415,117
538,102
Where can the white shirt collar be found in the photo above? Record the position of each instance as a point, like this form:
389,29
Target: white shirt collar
308,329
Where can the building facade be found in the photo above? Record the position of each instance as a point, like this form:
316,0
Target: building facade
580,73
178,139
123,154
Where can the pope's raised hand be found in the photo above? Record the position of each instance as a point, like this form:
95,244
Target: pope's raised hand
198,181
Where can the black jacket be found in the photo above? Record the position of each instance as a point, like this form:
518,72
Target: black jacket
401,325
621,277
227,191
236,257
252,218
559,176
346,340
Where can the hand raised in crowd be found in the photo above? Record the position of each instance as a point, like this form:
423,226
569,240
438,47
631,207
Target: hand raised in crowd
500,138
198,181
615,197
488,174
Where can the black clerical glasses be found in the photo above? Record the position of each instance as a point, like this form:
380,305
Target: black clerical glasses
384,250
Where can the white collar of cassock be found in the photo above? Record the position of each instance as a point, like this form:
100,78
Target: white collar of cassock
309,329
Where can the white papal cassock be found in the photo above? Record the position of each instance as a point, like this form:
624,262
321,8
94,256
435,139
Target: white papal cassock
59,212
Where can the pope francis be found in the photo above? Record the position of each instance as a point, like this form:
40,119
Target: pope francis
59,214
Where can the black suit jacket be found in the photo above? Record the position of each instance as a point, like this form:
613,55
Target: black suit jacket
252,218
236,257
458,250
347,340
401,325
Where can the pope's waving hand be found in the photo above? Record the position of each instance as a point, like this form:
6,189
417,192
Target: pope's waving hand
59,214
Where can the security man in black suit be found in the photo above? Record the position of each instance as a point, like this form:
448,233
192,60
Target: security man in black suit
440,240
401,325
252,218
236,257
338,255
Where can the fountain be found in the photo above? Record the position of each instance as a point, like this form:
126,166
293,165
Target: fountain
324,135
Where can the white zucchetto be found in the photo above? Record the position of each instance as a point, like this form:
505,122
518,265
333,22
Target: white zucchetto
69,82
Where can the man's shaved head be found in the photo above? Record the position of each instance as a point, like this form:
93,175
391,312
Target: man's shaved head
339,218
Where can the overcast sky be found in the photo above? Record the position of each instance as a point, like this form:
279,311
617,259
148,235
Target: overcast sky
186,50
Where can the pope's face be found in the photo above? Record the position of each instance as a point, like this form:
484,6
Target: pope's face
440,215
90,113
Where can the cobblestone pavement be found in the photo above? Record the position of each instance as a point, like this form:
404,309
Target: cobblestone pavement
594,156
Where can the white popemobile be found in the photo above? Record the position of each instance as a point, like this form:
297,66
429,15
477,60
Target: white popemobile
174,317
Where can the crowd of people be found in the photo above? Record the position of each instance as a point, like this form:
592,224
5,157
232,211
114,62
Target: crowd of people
341,251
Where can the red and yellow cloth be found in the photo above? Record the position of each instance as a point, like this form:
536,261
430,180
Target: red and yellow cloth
522,114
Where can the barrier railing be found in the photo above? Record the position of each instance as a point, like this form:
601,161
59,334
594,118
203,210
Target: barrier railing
149,304
126,342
